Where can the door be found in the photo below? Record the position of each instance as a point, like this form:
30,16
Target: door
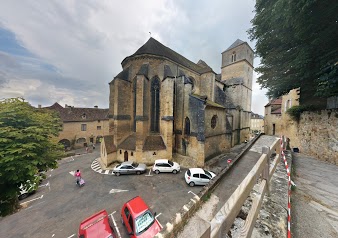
204,179
126,156
273,129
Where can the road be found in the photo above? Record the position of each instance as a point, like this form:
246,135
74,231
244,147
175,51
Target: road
64,205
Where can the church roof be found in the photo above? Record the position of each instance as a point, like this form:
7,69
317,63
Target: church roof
235,44
109,144
154,47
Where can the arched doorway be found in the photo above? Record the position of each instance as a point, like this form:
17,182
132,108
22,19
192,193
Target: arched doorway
65,142
126,156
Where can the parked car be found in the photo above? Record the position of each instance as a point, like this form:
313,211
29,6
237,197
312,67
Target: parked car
28,188
138,219
164,165
198,176
129,168
96,226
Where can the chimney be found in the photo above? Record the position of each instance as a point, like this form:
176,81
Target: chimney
96,107
66,105
39,106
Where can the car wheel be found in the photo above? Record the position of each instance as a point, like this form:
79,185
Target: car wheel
157,171
138,172
191,184
117,174
174,171
23,196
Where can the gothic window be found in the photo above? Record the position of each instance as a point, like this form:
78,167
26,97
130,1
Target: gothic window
155,105
213,121
187,126
233,56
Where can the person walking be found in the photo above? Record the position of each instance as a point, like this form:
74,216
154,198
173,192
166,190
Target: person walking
78,177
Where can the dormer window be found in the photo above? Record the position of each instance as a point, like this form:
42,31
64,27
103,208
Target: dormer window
233,56
84,116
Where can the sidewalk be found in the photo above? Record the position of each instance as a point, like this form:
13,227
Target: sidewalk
314,204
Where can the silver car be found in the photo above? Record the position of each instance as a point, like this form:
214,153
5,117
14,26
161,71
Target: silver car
129,168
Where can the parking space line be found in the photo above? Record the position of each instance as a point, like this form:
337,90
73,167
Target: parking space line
71,236
194,194
106,172
115,226
149,173
32,200
158,220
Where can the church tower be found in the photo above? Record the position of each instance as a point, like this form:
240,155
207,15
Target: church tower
237,71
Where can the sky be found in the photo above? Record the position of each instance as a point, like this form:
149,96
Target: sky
67,51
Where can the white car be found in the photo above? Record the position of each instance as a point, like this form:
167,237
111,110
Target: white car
198,176
164,165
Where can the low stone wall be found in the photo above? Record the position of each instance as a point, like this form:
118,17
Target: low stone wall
318,135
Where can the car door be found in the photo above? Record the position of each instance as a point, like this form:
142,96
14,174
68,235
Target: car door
127,220
123,169
196,179
131,169
167,167
204,179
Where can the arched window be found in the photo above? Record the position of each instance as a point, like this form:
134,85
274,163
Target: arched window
134,109
233,56
81,140
155,105
187,126
213,121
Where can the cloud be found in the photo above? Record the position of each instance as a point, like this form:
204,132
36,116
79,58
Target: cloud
71,50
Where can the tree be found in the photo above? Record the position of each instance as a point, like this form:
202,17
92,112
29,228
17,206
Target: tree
27,144
296,41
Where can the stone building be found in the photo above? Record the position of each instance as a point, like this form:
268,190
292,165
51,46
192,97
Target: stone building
162,103
81,126
256,123
272,117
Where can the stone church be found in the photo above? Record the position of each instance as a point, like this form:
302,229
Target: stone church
161,103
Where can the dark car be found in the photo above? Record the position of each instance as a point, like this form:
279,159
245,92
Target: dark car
129,168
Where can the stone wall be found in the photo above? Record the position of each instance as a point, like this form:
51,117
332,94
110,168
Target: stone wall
318,135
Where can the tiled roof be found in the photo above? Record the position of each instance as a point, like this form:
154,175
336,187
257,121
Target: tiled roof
154,142
167,72
109,144
256,116
153,47
277,111
75,114
277,101
129,143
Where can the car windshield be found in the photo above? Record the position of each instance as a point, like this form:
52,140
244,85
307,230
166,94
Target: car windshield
134,164
207,173
143,222
171,163
118,165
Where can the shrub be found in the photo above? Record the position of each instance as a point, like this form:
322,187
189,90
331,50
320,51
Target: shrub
295,111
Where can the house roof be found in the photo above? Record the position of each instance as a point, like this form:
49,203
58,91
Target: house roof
154,47
277,111
75,114
256,116
277,101
154,142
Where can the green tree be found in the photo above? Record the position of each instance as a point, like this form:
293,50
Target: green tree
27,144
297,43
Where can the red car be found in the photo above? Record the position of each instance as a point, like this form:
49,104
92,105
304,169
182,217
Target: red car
138,219
96,226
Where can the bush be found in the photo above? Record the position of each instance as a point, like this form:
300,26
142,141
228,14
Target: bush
295,111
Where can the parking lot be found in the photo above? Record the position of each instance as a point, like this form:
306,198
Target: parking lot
59,206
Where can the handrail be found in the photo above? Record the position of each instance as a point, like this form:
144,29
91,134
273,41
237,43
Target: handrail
224,219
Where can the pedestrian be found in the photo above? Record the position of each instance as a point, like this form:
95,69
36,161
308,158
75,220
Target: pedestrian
87,149
93,146
78,176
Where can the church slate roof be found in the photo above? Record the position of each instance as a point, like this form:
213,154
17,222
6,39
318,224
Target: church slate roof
167,72
129,143
109,144
153,47
76,114
207,101
144,70
154,142
124,74
234,81
235,44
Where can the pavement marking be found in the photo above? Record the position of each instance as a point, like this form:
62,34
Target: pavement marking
72,173
185,208
32,200
71,236
106,172
117,191
194,194
116,228
99,171
158,220
53,235
149,173
44,185
192,200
